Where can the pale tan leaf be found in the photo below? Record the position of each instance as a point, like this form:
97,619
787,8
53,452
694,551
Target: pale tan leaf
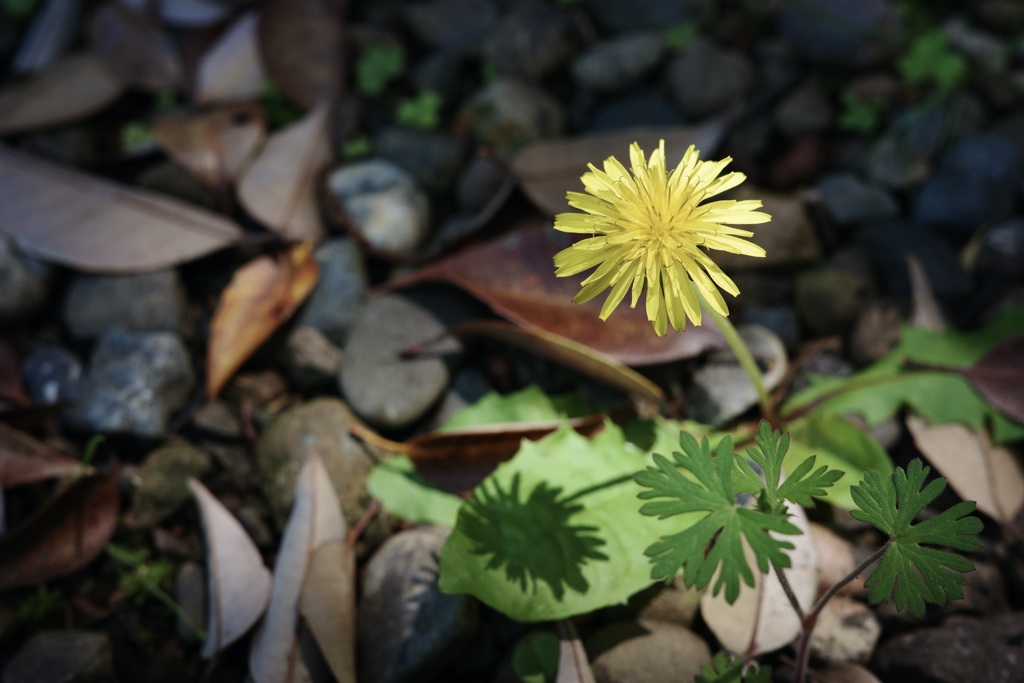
328,606
762,619
214,145
262,294
231,70
239,582
91,224
135,48
315,520
75,87
975,468
279,187
573,666
926,313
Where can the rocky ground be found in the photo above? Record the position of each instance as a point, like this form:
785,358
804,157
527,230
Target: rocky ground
870,128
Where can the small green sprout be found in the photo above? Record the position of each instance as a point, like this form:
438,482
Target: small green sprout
378,67
142,579
677,37
357,147
280,111
38,605
859,116
726,669
420,112
932,61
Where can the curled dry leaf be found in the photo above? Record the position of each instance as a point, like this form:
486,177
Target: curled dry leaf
999,376
263,294
215,145
238,581
573,666
975,468
24,460
761,619
549,168
279,186
231,70
58,214
315,520
135,48
514,276
328,606
75,87
301,44
64,536
926,313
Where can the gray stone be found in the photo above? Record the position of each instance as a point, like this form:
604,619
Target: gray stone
481,179
694,91
456,26
805,110
790,239
334,304
148,302
875,332
383,202
617,64
384,388
645,107
846,631
830,296
431,157
848,199
615,16
311,360
69,656
217,418
51,374
134,383
509,114
888,244
409,631
24,284
984,49
784,321
440,72
1002,250
161,483
656,652
531,40
841,33
825,364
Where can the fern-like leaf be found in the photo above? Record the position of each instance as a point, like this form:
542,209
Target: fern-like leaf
800,487
725,669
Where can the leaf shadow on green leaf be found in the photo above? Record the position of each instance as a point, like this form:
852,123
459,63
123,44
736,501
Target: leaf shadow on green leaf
531,538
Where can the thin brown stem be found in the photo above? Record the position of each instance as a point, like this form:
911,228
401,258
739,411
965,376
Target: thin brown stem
789,591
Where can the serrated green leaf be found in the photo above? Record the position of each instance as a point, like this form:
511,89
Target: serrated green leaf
912,571
530,404
406,495
801,486
726,669
716,540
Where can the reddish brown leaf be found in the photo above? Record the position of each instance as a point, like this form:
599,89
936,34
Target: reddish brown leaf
514,275
24,460
64,536
999,376
87,223
216,145
263,294
135,48
301,45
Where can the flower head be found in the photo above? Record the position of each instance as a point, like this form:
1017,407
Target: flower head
648,225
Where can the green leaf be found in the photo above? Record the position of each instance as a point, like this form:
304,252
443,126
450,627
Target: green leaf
380,65
726,669
421,112
535,659
408,496
716,540
526,405
553,532
911,570
801,486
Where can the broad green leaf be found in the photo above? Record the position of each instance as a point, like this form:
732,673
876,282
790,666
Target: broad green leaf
408,496
726,669
554,532
958,349
714,542
527,405
912,569
841,446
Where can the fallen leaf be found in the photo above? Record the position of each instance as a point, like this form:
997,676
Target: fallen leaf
301,44
999,376
64,536
231,70
238,581
54,27
279,186
514,275
761,619
573,666
215,145
87,223
262,294
328,606
550,168
315,520
926,313
975,468
24,460
135,48
75,87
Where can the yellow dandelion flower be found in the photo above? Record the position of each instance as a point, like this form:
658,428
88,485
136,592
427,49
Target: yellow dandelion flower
649,226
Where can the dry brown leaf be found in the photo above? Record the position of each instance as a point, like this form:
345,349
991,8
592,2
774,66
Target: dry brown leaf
135,48
64,536
301,44
238,581
91,224
573,665
315,520
72,89
761,619
24,460
550,168
975,468
215,145
926,313
328,606
279,186
262,294
231,70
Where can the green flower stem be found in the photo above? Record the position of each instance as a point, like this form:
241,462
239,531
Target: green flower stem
743,355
